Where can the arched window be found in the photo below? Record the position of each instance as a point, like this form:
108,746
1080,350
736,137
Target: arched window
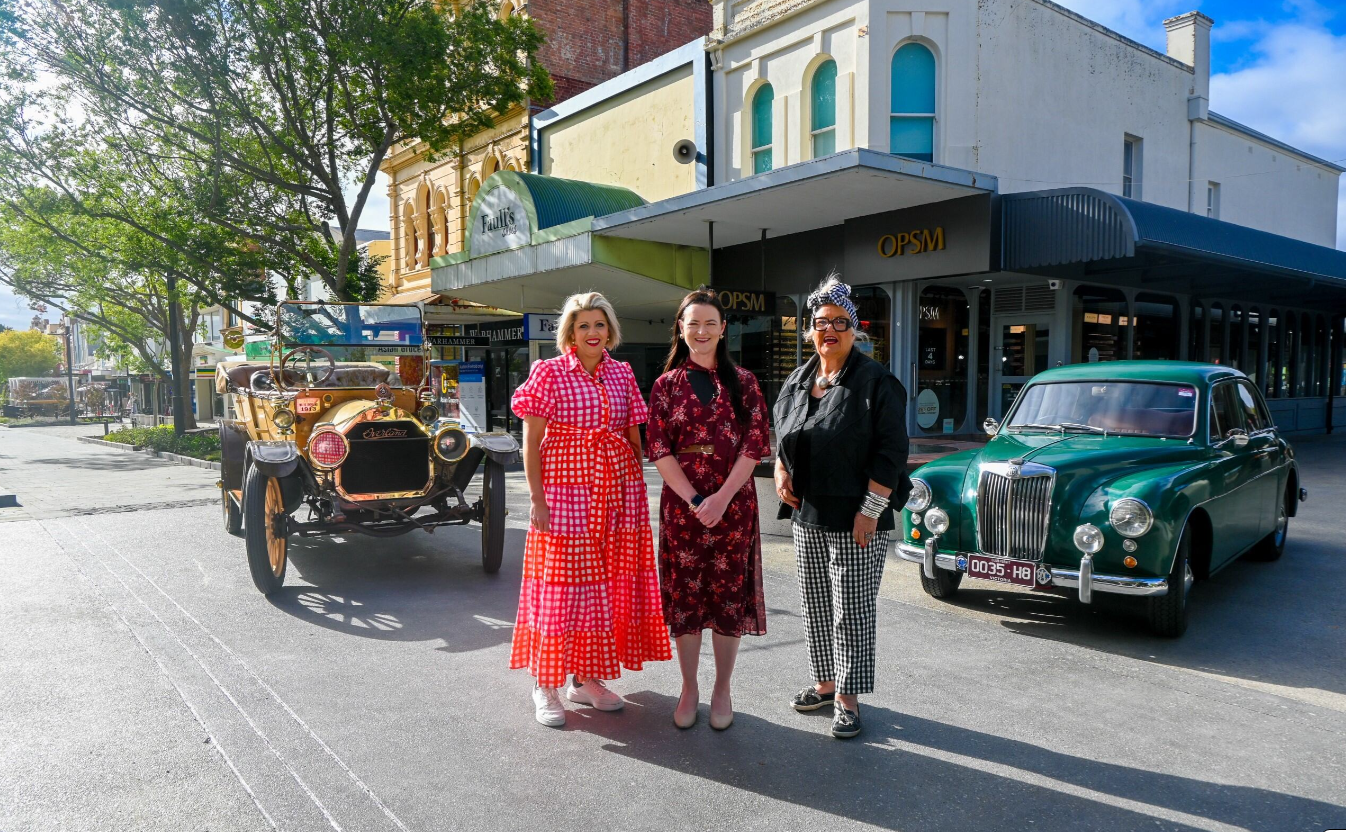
762,102
1157,327
823,104
409,240
425,207
911,130
440,222
488,167
506,9
1215,353
1099,318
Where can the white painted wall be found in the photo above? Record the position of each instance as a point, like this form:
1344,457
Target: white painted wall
1027,91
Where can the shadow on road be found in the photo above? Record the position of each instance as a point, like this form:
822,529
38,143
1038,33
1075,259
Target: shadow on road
883,779
418,587
122,462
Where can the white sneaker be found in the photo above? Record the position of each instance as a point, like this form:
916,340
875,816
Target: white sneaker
547,707
595,693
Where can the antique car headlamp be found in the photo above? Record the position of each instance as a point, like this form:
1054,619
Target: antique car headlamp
327,449
1088,539
283,418
451,444
919,499
428,414
937,521
1131,517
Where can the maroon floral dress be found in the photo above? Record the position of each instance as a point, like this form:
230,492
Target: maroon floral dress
709,577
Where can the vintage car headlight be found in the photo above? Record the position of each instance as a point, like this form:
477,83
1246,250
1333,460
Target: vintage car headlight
937,521
1130,517
283,418
919,499
327,449
451,444
1088,539
428,414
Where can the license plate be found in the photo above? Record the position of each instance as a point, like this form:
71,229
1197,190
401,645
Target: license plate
307,405
1002,570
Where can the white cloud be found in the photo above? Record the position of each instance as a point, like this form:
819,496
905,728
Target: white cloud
1140,20
1292,89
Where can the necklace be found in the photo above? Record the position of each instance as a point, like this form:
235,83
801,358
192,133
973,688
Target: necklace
826,381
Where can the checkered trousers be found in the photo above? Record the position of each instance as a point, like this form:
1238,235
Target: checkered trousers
838,591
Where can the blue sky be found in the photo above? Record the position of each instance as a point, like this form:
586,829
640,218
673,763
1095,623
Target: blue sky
1278,67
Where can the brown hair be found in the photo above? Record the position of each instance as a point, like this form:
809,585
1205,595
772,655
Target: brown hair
725,368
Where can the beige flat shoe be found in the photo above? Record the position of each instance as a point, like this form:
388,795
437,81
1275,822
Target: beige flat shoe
688,722
721,721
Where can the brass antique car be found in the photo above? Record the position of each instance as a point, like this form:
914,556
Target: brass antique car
320,426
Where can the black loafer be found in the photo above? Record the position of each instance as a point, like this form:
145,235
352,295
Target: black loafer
809,699
845,724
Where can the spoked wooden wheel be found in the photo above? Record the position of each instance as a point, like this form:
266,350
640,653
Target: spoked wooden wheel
263,529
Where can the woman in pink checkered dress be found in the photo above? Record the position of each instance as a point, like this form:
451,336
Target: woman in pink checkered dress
589,604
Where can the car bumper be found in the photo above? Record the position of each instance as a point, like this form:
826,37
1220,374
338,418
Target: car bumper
1083,579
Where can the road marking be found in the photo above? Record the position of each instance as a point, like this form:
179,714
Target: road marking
364,787
266,741
214,740
1040,781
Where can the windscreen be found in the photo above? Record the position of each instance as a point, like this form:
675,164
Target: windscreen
349,325
1123,407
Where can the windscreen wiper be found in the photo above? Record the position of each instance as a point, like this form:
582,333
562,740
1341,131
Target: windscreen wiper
1065,426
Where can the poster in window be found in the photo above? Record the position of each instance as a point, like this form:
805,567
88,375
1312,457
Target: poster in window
933,348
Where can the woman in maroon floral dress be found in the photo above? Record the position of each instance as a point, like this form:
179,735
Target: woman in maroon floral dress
706,433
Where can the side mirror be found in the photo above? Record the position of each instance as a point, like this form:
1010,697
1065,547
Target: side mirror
990,426
1238,436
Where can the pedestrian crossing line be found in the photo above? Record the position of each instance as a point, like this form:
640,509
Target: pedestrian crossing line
270,692
1050,783
196,715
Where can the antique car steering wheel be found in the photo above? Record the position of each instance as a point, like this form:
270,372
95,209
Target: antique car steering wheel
308,351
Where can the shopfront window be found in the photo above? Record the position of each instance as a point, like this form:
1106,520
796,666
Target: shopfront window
1101,323
1236,337
876,314
1320,357
785,358
1158,334
983,356
1196,332
1215,352
1256,357
1275,366
1339,362
942,359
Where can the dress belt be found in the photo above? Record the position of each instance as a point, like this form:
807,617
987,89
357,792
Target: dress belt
698,449
610,452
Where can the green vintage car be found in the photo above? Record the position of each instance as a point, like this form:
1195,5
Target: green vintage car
1130,477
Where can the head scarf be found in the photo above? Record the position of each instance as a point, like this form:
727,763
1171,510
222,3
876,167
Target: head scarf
837,294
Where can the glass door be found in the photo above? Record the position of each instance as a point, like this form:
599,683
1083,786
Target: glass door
1021,351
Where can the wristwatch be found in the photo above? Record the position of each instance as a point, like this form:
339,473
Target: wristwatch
697,500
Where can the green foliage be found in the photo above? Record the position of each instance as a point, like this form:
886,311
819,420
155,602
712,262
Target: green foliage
255,117
196,445
28,353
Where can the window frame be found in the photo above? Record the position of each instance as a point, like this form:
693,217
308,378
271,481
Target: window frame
932,117
815,132
1213,200
1133,166
754,151
1224,388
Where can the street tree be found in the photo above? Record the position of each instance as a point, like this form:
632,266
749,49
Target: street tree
27,353
266,112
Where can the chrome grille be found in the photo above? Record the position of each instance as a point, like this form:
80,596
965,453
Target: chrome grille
1014,505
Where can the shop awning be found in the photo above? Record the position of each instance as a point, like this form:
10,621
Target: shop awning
819,193
1083,231
531,244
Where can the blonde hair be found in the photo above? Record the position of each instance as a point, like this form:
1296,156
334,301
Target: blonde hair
585,302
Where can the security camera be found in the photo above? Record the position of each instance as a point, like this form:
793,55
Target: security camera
1053,284
684,152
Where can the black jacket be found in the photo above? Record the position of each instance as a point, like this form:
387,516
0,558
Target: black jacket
860,433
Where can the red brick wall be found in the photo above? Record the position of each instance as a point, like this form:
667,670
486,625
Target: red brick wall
590,41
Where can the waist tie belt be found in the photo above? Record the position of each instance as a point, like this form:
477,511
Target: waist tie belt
698,449
610,456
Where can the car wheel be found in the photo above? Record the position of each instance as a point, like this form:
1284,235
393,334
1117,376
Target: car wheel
263,504
492,517
1272,546
233,517
1168,612
943,585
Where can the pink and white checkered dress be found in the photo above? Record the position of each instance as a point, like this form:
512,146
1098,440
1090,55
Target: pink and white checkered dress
590,600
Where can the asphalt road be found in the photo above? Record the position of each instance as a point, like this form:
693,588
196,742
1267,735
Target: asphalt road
146,685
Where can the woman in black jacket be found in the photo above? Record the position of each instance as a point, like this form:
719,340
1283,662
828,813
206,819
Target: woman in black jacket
840,473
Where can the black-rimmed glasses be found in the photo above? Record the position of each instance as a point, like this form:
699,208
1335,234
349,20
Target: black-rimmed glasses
838,324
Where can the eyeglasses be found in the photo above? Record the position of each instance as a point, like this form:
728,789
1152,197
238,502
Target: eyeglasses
838,324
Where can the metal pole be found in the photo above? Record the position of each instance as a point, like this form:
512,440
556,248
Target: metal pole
173,358
710,226
70,370
762,250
